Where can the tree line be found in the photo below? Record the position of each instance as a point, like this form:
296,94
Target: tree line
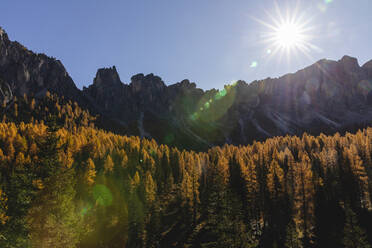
67,184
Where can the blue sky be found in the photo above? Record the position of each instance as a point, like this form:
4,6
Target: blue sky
210,42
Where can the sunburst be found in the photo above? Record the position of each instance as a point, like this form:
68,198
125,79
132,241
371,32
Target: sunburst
288,32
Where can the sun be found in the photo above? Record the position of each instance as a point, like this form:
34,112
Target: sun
289,35
288,32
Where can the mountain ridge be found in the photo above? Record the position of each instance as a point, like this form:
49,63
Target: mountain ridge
326,96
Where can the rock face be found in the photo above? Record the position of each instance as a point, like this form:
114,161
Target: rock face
125,102
30,73
327,96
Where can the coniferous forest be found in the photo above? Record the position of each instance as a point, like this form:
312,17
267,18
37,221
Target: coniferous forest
65,183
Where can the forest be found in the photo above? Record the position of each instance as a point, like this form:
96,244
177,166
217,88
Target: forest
65,183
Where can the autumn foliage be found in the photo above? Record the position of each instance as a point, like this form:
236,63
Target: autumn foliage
69,185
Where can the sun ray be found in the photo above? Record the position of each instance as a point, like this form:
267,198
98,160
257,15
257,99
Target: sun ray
289,32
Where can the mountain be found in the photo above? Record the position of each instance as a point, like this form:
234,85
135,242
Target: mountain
30,73
327,96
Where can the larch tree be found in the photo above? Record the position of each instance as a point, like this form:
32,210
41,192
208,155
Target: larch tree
108,165
304,198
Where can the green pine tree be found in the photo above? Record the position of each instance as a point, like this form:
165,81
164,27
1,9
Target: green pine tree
53,220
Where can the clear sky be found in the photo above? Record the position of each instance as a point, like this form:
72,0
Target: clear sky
210,42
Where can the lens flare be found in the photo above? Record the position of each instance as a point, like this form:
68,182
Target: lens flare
254,64
365,87
213,105
169,138
85,210
102,195
220,94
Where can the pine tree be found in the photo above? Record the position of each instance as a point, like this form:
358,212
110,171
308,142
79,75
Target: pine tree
109,165
150,188
90,172
304,198
275,180
52,219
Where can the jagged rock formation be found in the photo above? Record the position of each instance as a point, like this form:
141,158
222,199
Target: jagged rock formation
327,96
30,73
125,102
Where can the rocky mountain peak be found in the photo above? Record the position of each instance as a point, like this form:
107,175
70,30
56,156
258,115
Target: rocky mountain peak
350,64
30,73
137,77
187,84
107,77
149,82
184,85
3,34
4,40
368,64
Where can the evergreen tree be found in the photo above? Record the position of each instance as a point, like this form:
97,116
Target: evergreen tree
109,164
90,173
53,220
